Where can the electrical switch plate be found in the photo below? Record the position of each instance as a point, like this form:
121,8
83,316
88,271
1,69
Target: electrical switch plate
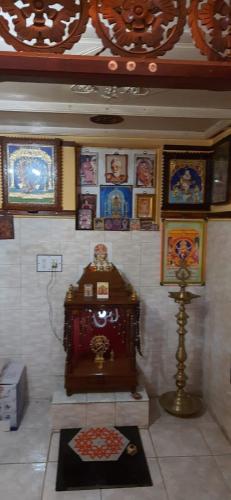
49,263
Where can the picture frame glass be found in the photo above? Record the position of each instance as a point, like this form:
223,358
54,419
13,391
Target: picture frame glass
145,170
144,206
116,168
221,173
31,175
102,290
84,218
116,201
183,241
88,169
187,181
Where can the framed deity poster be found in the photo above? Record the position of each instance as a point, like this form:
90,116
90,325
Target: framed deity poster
145,170
31,174
116,201
88,169
186,183
145,206
183,241
221,189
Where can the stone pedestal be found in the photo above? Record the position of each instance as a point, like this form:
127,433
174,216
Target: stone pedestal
90,409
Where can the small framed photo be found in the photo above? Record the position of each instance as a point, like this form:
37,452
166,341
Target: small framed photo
186,183
116,201
32,174
88,169
113,224
148,225
99,223
221,189
88,201
183,241
116,168
102,290
6,227
134,224
88,290
84,218
145,170
145,208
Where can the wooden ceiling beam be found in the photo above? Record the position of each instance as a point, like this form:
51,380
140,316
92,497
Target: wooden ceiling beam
72,69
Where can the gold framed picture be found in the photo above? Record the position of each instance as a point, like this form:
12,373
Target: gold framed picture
145,206
183,241
102,290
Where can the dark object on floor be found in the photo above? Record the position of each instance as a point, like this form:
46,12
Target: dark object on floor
101,457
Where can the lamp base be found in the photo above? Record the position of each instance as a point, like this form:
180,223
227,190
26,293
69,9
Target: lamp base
180,404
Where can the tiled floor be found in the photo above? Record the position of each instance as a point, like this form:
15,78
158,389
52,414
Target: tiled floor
188,459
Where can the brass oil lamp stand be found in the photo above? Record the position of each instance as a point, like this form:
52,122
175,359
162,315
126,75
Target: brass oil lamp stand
179,402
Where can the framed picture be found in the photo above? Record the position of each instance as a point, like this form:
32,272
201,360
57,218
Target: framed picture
183,241
148,225
88,290
102,290
114,224
116,201
186,180
6,227
116,169
31,174
86,200
221,189
99,223
134,224
88,169
145,170
145,208
84,218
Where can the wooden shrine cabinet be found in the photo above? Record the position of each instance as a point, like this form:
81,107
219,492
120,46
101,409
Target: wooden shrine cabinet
101,335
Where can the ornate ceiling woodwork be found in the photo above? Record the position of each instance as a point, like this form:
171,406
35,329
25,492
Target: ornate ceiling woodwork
147,28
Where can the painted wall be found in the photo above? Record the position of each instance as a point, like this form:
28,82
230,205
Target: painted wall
217,345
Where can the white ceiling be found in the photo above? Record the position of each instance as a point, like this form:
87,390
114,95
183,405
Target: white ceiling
41,108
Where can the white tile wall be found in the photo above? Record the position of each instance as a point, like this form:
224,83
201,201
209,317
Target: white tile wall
25,330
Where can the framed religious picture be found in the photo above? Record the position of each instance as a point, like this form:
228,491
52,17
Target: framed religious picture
134,224
186,182
183,241
145,206
116,168
221,189
99,224
148,225
88,290
102,290
6,227
32,174
84,219
116,224
145,170
88,169
86,200
116,201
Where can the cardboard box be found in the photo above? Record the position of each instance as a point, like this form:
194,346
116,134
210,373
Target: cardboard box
13,395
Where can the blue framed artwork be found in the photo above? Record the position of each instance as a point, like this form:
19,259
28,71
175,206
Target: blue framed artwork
186,180
31,174
116,201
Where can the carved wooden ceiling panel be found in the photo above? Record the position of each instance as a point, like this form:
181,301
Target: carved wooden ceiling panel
138,28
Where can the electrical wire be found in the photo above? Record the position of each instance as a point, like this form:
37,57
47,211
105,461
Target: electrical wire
50,285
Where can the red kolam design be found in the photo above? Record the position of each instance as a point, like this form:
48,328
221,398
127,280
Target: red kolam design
98,444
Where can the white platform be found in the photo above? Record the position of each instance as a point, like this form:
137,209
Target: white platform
114,408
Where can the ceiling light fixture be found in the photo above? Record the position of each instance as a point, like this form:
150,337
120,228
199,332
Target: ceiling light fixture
109,92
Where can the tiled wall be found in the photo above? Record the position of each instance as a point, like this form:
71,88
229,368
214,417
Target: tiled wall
217,348
25,329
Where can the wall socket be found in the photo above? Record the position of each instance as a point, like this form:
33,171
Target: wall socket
49,263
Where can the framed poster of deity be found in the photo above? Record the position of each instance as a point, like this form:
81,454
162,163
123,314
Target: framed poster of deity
183,241
88,169
116,201
32,174
186,181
